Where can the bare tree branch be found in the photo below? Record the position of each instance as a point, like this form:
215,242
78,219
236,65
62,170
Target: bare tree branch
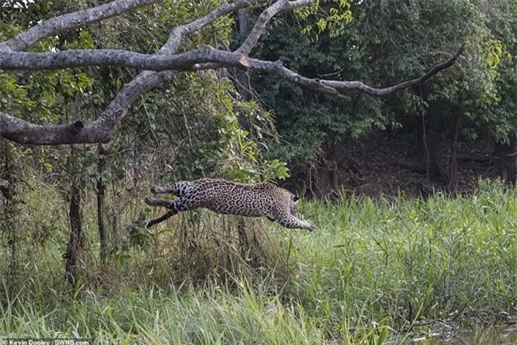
114,57
69,21
187,62
23,132
333,87
99,131
357,85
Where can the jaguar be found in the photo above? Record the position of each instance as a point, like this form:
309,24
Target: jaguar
227,197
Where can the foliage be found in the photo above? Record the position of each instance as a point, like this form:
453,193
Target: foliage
331,16
197,119
428,29
306,120
499,117
382,43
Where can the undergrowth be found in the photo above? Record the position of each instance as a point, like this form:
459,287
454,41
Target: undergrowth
375,271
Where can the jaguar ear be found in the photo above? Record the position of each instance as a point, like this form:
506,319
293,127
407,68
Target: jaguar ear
296,197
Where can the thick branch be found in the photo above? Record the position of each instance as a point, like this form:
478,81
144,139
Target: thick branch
69,21
187,62
23,132
208,58
114,57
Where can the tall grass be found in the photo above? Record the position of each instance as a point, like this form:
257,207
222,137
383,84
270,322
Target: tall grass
375,271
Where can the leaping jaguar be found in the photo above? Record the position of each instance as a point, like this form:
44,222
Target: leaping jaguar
226,197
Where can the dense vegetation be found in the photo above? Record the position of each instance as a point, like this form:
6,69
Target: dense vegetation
76,259
381,43
374,270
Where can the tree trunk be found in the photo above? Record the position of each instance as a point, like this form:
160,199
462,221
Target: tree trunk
75,248
428,155
8,188
453,170
75,251
325,175
506,160
243,238
101,165
243,16
241,80
430,152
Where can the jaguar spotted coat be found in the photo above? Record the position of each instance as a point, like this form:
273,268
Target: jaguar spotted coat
221,196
